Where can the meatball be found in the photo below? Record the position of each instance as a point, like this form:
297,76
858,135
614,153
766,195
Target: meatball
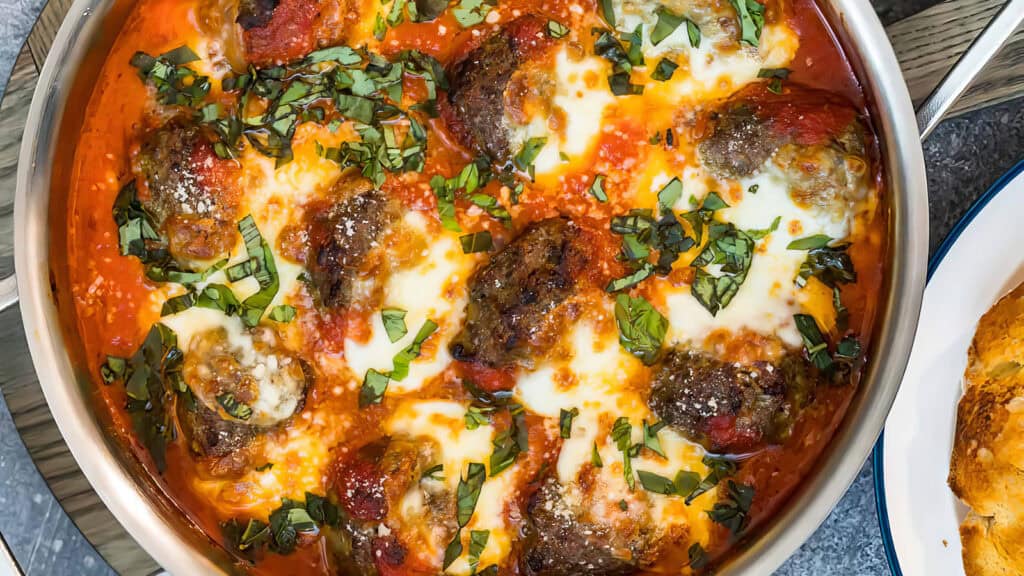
729,407
478,83
817,140
511,298
560,542
192,194
279,31
370,481
341,238
236,393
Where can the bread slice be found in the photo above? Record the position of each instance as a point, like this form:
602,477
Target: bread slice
987,465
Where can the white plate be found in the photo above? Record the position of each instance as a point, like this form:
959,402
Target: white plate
980,261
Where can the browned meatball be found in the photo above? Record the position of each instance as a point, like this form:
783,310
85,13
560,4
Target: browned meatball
371,480
559,542
729,407
510,299
192,194
478,82
236,394
815,138
341,238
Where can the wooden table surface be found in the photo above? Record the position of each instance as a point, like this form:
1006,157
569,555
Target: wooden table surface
927,44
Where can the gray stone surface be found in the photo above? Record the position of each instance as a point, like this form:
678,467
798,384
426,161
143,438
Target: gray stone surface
965,156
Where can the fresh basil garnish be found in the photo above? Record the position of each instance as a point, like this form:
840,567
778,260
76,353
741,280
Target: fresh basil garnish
733,511
664,71
402,360
565,418
751,17
394,323
476,242
374,386
233,407
666,24
597,188
651,441
642,328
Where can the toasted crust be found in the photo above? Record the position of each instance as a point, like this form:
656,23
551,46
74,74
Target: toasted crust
987,465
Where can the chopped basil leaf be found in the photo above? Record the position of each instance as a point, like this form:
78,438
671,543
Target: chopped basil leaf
453,550
733,510
468,492
565,418
693,31
341,54
810,243
848,348
218,297
151,376
595,457
730,250
842,314
492,206
669,195
445,196
322,510
233,407
686,482
666,25
753,188
113,369
718,469
178,304
697,556
663,72
597,188
776,75
751,16
428,10
433,473
645,271
175,83
282,313
477,543
557,29
136,230
476,242
760,234
401,361
264,467
642,328
394,323
526,156
265,272
471,12
620,85
831,265
374,386
814,342
623,505
713,202
286,524
655,483
622,432
608,12
651,441
511,442
477,417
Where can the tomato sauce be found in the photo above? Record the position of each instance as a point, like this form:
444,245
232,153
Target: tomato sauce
113,297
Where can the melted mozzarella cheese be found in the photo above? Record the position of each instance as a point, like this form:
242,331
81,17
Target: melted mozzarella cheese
433,288
580,99
720,64
599,379
443,421
768,299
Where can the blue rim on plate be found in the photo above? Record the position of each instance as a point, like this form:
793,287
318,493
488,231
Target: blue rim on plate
936,259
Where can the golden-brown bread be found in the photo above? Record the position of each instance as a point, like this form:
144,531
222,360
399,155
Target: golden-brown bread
987,466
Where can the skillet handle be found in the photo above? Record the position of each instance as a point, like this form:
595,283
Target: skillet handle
959,78
8,292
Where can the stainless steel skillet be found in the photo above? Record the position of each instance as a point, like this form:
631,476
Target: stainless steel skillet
65,85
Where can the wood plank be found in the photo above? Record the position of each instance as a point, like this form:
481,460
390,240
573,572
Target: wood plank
42,35
927,45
